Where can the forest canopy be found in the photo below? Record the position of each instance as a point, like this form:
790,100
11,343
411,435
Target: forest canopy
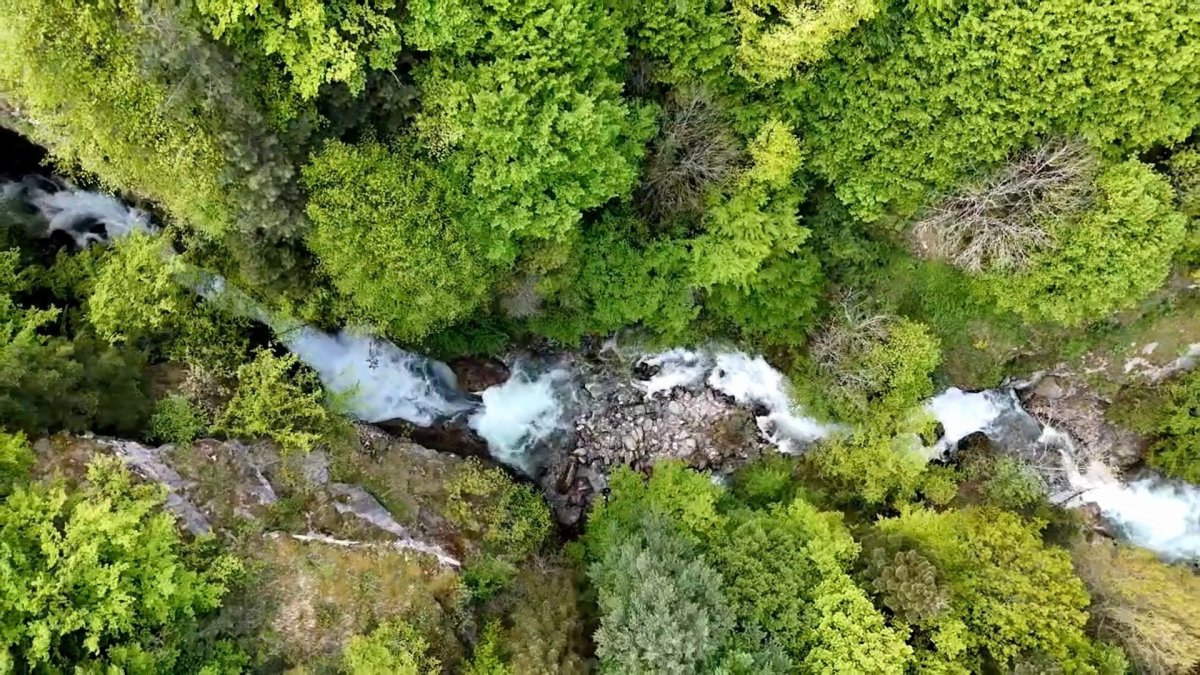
884,198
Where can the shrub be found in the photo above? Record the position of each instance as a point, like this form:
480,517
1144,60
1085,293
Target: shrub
1108,258
16,459
98,578
274,399
175,420
393,647
509,519
1148,607
136,294
874,365
779,36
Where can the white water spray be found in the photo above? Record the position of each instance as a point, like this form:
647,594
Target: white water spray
1152,512
78,213
381,381
750,381
522,413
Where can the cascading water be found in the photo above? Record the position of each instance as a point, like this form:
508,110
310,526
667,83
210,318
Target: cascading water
1151,511
379,381
750,381
87,217
528,410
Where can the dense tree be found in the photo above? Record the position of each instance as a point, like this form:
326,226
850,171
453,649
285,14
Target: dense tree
51,382
786,573
98,577
393,647
389,231
778,36
16,458
277,400
661,609
318,42
526,114
918,98
1010,595
1109,257
132,93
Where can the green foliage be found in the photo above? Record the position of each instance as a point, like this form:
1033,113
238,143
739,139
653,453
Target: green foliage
785,571
1170,415
16,459
1009,594
52,382
1006,482
1185,176
907,585
660,606
873,367
386,232
318,42
509,519
1150,608
98,576
486,659
1110,257
393,647
526,113
767,481
778,36
919,98
872,465
133,93
175,420
546,633
674,492
135,293
274,399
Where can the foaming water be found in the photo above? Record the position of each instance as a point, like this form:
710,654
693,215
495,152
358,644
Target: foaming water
995,412
519,415
379,380
1152,512
750,381
87,217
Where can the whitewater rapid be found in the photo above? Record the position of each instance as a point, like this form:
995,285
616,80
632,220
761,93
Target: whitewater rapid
377,381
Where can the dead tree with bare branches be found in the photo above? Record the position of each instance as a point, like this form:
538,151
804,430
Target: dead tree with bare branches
693,151
999,224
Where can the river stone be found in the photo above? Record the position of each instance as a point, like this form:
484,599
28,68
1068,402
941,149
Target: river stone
476,373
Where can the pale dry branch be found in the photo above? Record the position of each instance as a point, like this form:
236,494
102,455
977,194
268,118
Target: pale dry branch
1000,224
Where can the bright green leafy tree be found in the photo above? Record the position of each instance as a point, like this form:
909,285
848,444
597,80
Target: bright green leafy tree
98,576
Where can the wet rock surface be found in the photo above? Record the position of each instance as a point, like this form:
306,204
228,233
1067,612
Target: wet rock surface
476,373
1065,402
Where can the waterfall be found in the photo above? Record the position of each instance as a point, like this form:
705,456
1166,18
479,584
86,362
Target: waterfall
524,412
379,380
1153,512
87,217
